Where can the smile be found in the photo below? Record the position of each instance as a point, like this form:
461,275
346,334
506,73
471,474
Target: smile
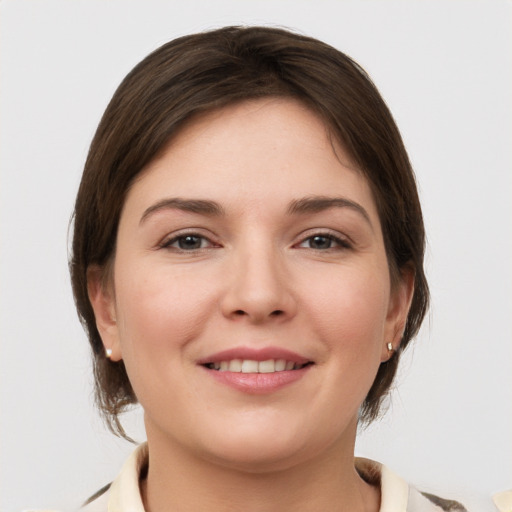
256,371
253,366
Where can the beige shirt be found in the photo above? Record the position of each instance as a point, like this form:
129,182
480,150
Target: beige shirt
396,495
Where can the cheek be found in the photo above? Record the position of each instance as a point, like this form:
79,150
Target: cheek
351,313
159,310
158,316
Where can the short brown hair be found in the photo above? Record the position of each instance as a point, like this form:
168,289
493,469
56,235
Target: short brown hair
209,70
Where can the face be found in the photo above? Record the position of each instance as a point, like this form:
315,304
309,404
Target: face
251,298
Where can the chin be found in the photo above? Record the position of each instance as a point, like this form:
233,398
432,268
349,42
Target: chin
253,458
261,448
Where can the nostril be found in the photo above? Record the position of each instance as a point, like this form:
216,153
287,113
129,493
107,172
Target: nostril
241,312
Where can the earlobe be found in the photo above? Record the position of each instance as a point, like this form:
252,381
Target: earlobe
399,305
102,300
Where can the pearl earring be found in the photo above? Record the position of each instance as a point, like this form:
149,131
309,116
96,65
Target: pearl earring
108,352
390,347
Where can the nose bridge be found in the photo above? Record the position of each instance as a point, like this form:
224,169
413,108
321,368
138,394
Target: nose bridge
258,285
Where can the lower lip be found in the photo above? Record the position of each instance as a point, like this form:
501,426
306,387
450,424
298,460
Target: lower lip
258,383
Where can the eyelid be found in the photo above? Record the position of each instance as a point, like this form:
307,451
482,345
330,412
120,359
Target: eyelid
171,238
343,241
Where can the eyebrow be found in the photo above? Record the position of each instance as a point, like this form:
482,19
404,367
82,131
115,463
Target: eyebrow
312,204
316,204
201,206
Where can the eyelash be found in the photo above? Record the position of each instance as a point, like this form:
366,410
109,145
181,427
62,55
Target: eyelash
168,244
339,242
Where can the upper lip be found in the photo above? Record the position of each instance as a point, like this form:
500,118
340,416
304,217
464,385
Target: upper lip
261,354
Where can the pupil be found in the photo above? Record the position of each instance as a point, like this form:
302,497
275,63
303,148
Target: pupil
320,242
189,242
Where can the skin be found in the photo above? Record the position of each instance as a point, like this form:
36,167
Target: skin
256,277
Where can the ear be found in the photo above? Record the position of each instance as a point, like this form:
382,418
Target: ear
102,299
399,305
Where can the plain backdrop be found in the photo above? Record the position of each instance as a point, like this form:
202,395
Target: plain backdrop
444,67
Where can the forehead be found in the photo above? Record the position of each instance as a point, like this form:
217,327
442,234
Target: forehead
254,150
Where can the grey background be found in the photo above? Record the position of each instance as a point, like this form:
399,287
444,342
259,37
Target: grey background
444,69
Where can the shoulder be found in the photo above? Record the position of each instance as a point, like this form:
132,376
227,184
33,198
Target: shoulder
123,494
98,502
503,501
398,496
425,502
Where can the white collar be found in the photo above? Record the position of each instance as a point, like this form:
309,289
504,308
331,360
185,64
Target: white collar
396,494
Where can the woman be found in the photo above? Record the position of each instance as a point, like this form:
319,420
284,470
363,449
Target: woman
248,264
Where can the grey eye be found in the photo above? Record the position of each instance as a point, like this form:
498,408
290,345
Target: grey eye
323,242
320,242
189,242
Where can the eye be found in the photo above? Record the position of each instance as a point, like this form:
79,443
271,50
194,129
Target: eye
324,241
187,242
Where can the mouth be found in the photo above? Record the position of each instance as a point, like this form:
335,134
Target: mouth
254,366
256,371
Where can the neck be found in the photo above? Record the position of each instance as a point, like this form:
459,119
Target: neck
180,480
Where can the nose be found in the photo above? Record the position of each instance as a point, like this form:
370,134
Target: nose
259,288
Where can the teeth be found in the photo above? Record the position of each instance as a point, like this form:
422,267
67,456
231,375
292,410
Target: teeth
251,366
280,365
267,366
235,365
